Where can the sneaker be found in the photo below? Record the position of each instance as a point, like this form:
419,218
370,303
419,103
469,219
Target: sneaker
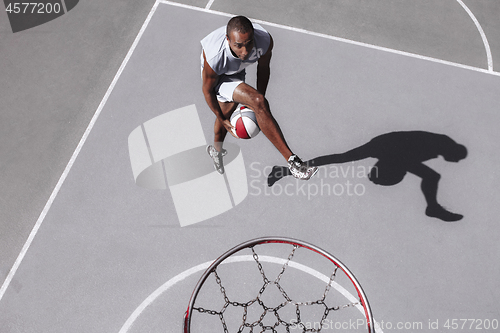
299,169
217,158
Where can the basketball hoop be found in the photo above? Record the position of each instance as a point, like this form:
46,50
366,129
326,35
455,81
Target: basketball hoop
290,301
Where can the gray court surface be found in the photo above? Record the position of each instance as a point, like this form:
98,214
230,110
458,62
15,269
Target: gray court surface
107,252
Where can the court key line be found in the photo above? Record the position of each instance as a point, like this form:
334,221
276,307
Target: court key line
58,186
339,39
483,35
209,4
201,267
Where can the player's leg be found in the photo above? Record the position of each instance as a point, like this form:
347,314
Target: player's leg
216,150
249,96
220,131
225,88
355,154
224,92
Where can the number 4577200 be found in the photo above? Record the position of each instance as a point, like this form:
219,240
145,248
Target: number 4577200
471,324
33,8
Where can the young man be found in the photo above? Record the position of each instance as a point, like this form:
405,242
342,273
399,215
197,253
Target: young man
226,53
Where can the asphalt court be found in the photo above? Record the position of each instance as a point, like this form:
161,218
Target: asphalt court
106,244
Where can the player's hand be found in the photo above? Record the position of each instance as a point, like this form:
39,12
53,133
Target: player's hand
229,127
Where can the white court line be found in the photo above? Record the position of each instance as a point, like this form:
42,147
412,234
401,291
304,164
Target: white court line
181,276
209,4
481,32
344,40
58,186
64,6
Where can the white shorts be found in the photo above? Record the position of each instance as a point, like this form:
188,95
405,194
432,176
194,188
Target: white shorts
227,84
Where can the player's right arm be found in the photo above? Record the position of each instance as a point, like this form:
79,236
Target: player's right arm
210,79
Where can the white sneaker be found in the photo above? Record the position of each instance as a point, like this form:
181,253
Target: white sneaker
299,169
217,158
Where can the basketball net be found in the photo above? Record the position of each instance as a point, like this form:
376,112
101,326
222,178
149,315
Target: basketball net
237,293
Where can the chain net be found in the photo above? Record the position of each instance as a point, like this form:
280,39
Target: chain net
271,317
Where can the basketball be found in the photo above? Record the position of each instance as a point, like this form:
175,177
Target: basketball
245,123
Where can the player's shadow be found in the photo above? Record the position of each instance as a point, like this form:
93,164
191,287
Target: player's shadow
399,153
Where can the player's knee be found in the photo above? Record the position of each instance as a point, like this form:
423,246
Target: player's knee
260,103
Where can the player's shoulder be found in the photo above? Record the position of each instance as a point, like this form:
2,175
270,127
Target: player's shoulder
262,37
260,32
215,38
213,45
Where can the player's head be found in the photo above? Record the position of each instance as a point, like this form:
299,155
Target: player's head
239,33
455,152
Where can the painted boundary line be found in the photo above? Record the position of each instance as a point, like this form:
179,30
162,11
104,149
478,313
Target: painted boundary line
63,2
59,184
344,40
209,4
481,32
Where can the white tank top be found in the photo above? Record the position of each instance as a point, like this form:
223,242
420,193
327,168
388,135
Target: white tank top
221,59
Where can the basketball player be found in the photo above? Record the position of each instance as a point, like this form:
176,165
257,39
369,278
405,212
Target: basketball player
226,53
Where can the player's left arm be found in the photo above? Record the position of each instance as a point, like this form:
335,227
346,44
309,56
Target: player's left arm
263,69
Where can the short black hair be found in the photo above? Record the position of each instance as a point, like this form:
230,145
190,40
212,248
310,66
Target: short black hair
240,24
